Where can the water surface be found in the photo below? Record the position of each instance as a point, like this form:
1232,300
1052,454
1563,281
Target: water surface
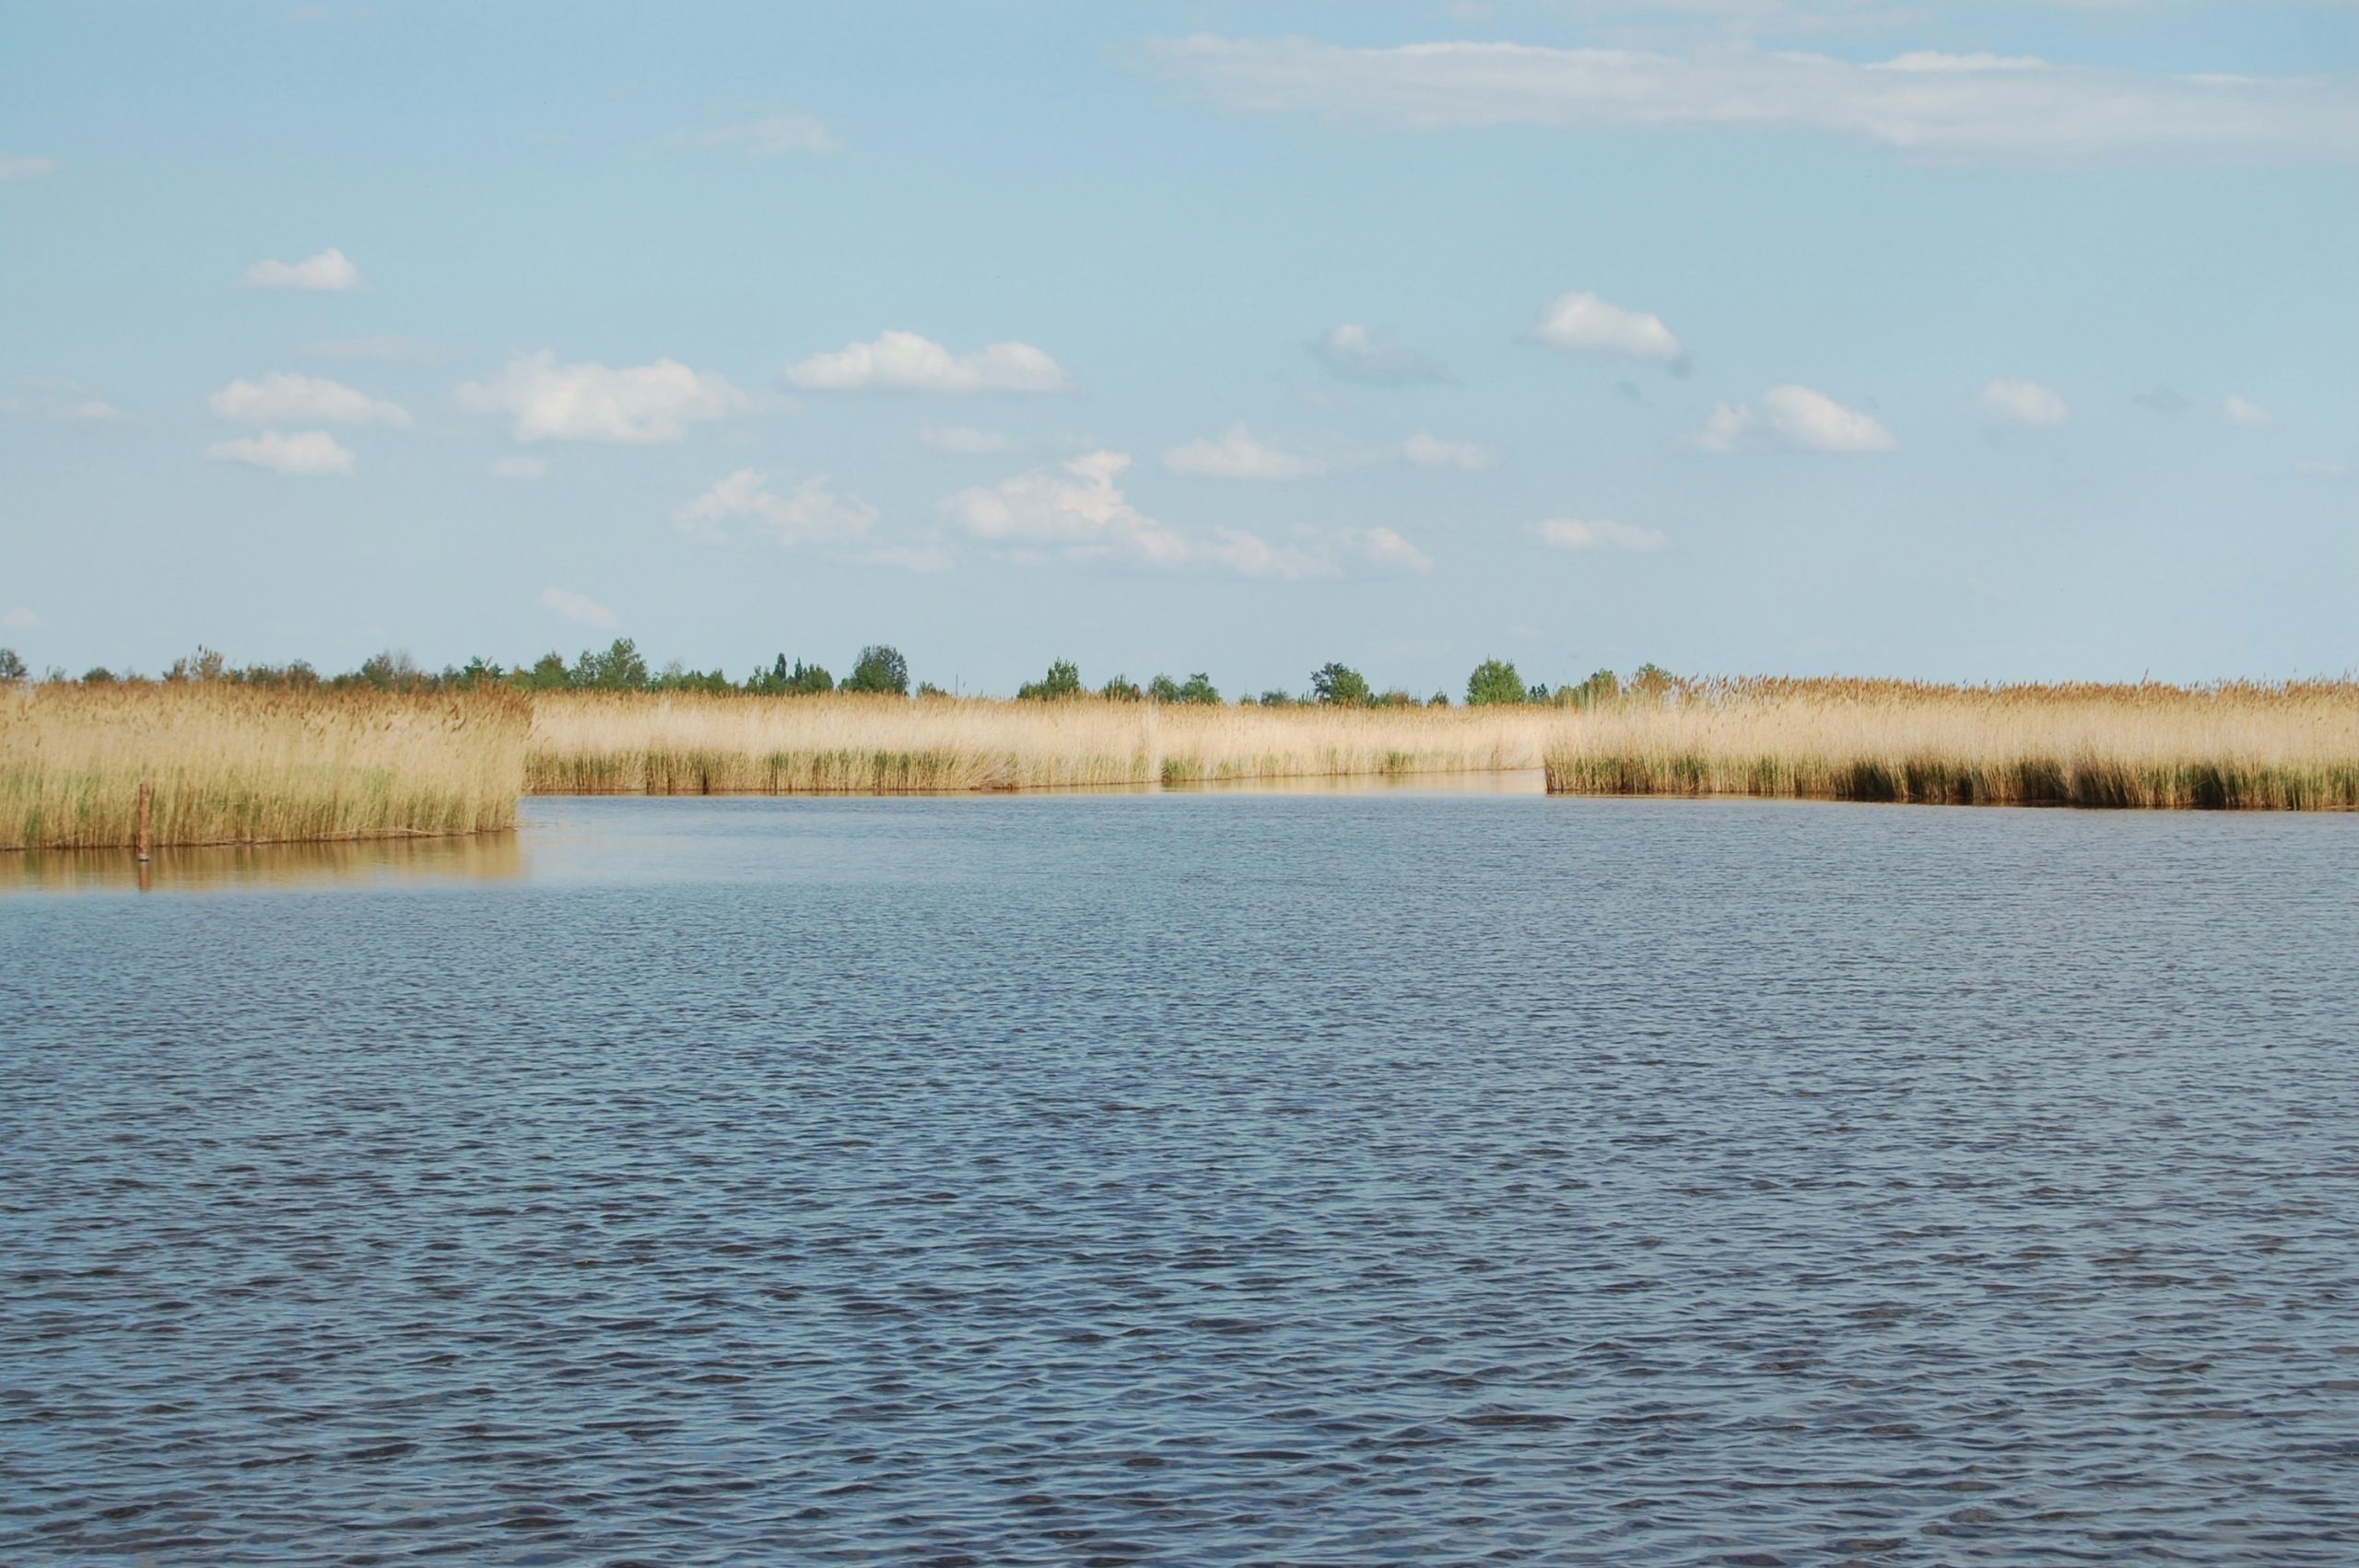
1195,1178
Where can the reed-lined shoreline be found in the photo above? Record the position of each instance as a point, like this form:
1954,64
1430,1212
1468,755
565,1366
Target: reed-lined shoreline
694,744
2236,747
231,765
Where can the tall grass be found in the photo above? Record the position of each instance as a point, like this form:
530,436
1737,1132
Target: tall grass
687,744
2236,747
239,765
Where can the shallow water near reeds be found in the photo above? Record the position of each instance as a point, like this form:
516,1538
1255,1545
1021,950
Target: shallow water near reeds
1202,1178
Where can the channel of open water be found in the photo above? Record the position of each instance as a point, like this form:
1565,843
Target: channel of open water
1191,1178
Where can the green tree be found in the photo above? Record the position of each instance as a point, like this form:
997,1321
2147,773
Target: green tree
1439,699
1121,688
12,669
98,675
1063,680
1495,680
880,668
1340,685
1199,687
1652,680
548,673
618,669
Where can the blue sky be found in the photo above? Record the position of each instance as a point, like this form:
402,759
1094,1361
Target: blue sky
1956,341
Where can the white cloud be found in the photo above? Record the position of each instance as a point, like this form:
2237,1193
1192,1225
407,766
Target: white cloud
631,404
383,349
1239,453
1950,107
964,440
21,619
576,607
1583,323
516,465
18,166
282,398
303,452
773,137
812,514
1359,353
903,361
1571,533
65,401
330,272
1428,450
2326,470
2245,414
1314,553
1084,513
1795,418
2026,403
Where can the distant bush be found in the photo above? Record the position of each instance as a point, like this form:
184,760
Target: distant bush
1439,699
927,688
12,669
1197,687
1494,682
1063,680
880,668
1121,689
1341,685
1275,698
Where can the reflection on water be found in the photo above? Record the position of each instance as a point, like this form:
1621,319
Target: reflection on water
1506,781
482,857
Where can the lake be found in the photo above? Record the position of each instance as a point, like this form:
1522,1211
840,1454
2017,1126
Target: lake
1190,1177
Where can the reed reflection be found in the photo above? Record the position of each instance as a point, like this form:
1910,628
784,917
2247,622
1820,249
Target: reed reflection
480,857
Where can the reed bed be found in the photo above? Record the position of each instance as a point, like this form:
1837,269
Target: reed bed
690,744
234,764
2234,746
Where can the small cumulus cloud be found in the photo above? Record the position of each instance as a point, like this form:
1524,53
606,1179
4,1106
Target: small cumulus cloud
1239,453
2008,402
1314,553
774,137
1427,451
22,166
964,440
305,452
1572,534
2330,470
629,404
904,361
1583,323
517,465
1079,509
1359,353
68,402
330,272
19,619
810,514
283,398
577,607
2245,414
1797,419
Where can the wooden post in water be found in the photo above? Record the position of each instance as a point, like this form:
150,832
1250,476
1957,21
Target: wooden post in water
147,801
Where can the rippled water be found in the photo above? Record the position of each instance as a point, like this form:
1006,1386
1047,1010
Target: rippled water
1196,1179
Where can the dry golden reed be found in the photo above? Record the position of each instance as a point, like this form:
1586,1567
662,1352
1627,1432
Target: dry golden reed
2236,747
694,744
234,764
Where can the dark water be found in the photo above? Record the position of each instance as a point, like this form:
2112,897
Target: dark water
1195,1180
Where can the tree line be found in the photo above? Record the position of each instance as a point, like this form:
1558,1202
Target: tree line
880,669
